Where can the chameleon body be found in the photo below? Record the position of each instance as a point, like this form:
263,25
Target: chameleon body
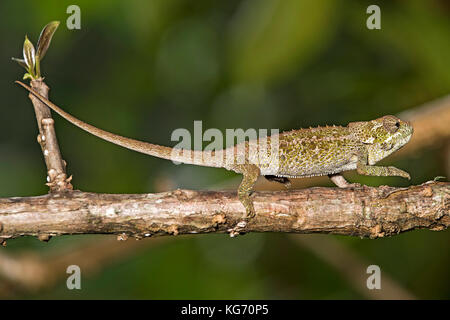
299,153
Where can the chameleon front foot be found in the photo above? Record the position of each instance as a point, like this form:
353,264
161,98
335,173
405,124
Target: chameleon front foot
380,171
400,173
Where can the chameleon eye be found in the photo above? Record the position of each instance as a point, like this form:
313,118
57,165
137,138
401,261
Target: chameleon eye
391,124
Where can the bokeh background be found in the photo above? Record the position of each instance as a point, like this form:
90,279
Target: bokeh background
145,68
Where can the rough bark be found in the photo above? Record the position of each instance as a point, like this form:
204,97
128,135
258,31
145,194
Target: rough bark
56,167
363,212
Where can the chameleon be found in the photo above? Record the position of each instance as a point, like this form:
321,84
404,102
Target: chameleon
318,151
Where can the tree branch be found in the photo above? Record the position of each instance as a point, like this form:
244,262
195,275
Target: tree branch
363,212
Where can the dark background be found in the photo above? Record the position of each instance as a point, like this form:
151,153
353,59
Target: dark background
145,68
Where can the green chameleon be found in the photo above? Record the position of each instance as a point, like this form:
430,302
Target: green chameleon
299,153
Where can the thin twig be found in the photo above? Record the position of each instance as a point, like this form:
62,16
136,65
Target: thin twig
57,179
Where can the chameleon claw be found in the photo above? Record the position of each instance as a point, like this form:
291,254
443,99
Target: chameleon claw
400,173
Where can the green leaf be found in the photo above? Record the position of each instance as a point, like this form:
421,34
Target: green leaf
29,54
45,38
20,62
27,76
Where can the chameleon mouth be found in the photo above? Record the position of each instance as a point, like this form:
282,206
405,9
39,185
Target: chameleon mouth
404,140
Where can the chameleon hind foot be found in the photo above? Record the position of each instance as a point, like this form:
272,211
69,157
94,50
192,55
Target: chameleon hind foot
251,173
244,198
341,182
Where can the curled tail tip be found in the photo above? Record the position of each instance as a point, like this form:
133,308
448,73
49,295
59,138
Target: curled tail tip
21,84
31,90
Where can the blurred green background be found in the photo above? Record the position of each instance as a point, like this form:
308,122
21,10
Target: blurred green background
145,68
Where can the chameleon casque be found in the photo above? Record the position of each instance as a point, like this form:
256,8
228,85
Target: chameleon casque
301,153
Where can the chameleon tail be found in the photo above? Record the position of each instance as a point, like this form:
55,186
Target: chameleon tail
176,155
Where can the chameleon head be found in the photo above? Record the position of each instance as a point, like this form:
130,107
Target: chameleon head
382,136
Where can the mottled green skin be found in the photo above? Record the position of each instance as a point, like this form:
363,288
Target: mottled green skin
328,151
299,153
315,151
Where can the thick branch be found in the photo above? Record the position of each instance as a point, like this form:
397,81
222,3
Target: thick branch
364,212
